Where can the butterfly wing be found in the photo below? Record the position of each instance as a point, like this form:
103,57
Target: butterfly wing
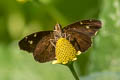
81,33
31,42
44,50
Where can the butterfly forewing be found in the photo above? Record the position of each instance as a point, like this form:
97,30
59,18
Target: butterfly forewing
88,27
81,33
29,42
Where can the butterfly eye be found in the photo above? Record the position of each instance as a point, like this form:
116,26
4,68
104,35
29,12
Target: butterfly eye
57,37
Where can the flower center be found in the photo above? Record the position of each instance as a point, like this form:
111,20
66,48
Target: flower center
65,51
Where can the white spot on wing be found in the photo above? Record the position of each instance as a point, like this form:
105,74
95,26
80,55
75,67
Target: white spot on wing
90,20
95,33
35,35
30,42
26,37
87,27
81,23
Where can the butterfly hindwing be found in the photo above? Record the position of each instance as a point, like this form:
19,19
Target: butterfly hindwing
80,41
39,41
81,33
44,53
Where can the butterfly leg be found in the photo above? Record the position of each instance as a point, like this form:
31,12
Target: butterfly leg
64,35
68,37
52,41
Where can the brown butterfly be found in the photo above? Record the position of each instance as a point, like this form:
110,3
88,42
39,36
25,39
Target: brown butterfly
42,44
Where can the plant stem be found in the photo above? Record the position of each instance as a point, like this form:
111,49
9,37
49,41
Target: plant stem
70,66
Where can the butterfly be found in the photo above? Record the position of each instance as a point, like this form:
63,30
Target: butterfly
79,34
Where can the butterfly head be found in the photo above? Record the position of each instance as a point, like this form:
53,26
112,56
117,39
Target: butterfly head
58,31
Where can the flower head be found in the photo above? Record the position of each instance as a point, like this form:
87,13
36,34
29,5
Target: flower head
65,52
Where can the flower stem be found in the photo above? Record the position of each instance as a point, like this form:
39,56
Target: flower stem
70,66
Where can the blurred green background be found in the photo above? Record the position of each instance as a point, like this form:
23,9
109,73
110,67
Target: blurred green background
22,17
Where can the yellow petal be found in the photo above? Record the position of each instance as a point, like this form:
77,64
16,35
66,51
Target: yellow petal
78,53
65,62
55,62
74,59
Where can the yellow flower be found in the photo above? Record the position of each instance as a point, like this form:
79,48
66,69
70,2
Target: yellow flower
65,52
